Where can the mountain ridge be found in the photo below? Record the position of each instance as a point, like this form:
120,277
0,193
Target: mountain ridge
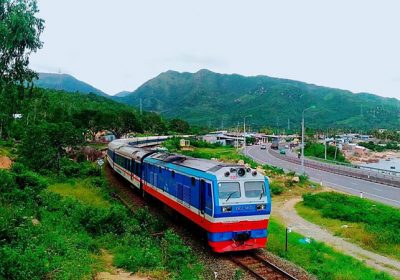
66,82
198,97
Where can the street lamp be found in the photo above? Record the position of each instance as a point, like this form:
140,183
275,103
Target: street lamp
244,130
302,137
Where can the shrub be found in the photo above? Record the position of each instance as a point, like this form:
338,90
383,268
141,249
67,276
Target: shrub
275,188
137,253
148,222
7,181
303,178
70,168
178,257
99,221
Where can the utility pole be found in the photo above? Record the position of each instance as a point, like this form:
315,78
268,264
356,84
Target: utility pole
244,130
325,147
237,136
302,137
288,124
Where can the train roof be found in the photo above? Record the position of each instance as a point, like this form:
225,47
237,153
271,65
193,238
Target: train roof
190,162
125,147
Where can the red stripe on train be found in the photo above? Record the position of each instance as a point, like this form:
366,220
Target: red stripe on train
230,245
204,223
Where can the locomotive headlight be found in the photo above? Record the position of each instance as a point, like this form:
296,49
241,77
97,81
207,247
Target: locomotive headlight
226,209
261,206
241,172
227,173
254,173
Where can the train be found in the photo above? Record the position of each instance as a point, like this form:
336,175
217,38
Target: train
230,202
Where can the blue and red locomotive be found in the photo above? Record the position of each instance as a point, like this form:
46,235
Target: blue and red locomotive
230,202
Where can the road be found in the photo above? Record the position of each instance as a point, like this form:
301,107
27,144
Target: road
386,194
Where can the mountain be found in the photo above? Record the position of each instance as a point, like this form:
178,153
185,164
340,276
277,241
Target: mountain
208,98
122,93
67,83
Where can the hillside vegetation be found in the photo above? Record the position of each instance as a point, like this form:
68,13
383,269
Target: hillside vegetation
208,98
65,82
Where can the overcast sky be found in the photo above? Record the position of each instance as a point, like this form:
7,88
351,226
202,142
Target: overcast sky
118,45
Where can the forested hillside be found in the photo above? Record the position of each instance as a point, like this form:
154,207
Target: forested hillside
65,82
210,98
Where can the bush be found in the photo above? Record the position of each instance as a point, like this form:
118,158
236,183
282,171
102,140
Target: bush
148,222
137,253
276,189
98,221
303,178
178,257
7,181
70,168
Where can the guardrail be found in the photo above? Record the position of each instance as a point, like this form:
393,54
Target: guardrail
360,173
393,172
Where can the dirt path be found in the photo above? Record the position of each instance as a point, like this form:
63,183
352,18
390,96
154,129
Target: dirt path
287,213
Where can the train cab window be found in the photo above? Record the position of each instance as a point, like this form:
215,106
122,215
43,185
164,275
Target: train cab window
159,169
228,190
254,189
173,174
193,181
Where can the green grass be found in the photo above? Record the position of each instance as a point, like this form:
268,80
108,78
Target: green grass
61,231
83,190
371,225
318,258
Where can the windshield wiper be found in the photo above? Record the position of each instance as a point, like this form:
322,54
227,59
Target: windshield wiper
262,193
229,196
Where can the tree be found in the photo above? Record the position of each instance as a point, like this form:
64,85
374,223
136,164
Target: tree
44,144
20,30
180,126
152,122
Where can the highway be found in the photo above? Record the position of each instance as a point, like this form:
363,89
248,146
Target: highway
386,194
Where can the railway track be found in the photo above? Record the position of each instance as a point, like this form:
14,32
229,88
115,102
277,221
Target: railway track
260,268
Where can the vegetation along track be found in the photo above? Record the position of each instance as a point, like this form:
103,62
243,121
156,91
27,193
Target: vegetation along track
259,267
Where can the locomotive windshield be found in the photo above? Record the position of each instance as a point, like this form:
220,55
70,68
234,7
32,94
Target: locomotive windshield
254,189
228,190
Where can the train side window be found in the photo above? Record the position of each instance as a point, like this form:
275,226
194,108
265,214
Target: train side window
209,189
173,174
193,180
159,169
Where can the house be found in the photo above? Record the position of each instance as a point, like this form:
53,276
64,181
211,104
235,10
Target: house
104,136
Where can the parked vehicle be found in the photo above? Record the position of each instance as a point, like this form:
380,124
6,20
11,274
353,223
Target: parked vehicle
263,147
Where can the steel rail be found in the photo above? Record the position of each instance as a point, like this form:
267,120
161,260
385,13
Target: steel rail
267,268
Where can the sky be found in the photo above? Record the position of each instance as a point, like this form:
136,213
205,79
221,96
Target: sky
118,45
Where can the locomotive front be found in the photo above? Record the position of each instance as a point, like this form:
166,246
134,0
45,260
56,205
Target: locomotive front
242,206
